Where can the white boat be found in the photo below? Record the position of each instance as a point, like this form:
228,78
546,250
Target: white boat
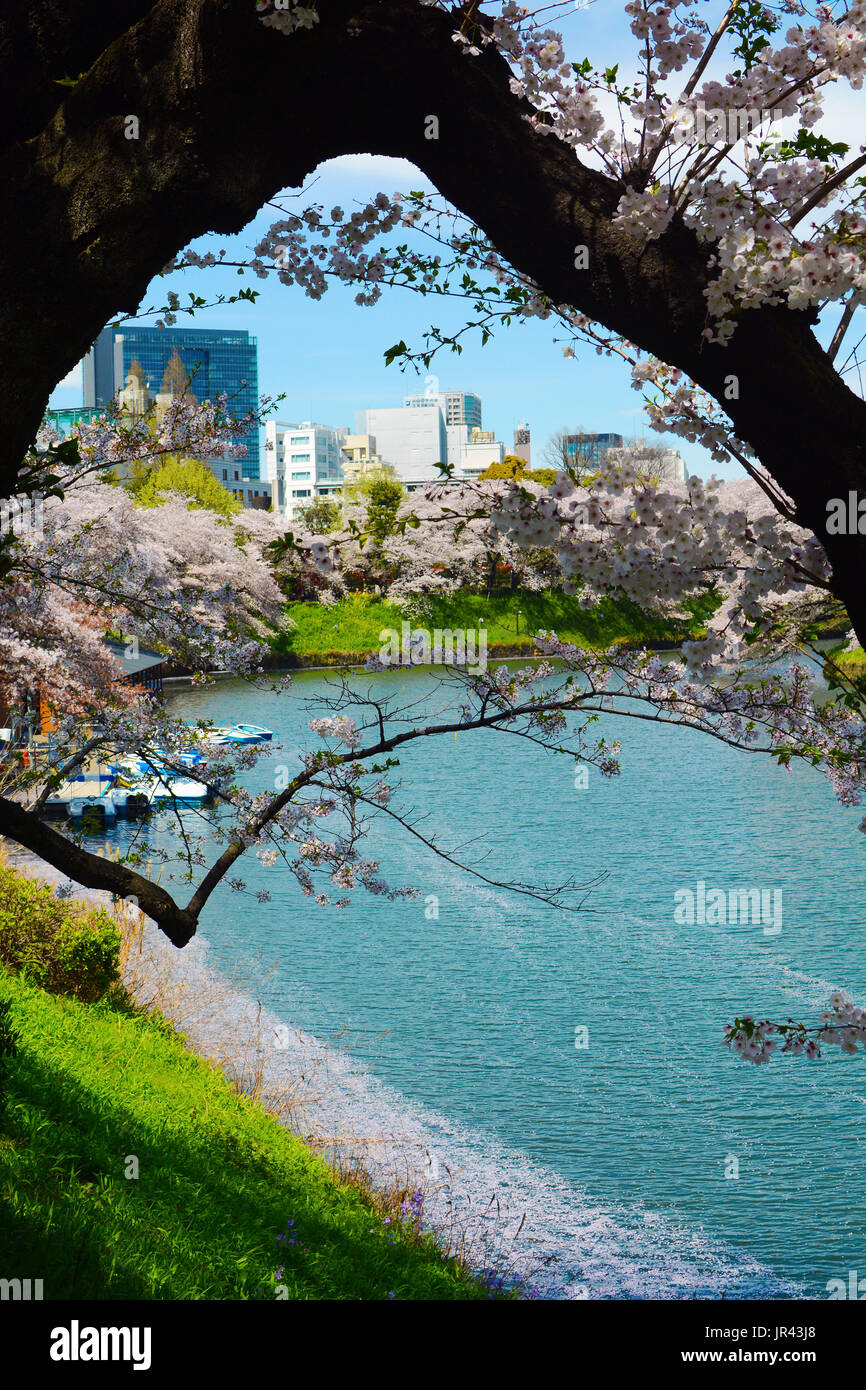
99,807
172,788
233,733
218,738
131,769
255,732
129,802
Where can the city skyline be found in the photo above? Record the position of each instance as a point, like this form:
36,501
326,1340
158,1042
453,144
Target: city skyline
327,355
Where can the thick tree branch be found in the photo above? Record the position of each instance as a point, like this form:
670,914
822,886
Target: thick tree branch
230,112
93,871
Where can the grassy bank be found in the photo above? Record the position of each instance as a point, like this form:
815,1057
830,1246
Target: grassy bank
852,663
349,631
132,1168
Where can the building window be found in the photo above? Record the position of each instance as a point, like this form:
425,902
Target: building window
301,492
225,475
299,439
303,476
300,458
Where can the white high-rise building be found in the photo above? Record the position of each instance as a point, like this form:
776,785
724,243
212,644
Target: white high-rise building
458,407
522,448
412,439
302,462
439,427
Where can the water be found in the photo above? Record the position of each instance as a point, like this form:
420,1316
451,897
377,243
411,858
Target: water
467,1021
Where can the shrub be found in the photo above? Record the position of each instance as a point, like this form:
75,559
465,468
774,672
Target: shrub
62,945
8,1049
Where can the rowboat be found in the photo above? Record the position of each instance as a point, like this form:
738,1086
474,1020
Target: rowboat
129,802
255,733
238,733
148,767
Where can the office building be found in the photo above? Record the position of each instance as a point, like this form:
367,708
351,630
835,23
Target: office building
302,462
589,450
440,427
458,407
412,438
522,448
64,419
212,361
360,456
251,492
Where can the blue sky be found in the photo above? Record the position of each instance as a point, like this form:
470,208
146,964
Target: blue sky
327,355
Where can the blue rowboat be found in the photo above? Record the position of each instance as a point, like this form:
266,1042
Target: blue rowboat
257,731
245,733
234,733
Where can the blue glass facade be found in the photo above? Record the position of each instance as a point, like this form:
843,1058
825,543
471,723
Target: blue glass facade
588,448
215,362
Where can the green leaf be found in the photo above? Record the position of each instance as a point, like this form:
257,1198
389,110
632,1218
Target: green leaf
398,350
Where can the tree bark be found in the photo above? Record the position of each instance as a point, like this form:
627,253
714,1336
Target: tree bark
94,871
231,112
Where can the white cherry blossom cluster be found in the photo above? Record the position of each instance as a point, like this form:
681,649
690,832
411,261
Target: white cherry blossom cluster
780,713
545,79
285,247
674,43
843,1025
748,203
342,728
659,545
203,429
646,215
285,16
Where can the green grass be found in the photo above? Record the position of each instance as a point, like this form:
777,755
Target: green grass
218,1180
349,631
614,621
852,663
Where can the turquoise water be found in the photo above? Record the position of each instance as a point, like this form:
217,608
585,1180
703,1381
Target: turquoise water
473,1015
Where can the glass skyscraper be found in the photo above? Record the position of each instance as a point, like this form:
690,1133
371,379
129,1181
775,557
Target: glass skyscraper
215,361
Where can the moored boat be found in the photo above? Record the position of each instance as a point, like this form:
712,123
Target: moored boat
234,733
100,808
255,732
173,788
